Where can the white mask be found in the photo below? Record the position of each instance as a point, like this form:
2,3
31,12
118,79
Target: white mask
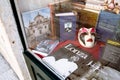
86,37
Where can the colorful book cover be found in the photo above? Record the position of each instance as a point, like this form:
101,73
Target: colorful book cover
45,47
67,26
37,25
71,62
108,26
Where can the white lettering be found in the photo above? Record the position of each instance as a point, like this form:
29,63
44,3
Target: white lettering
76,51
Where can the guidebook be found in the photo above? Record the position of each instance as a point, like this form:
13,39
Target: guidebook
45,47
37,25
108,26
71,62
67,25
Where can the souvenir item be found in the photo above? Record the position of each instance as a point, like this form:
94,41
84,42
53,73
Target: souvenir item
86,37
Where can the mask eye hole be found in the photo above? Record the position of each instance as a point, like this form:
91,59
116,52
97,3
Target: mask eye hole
85,33
93,34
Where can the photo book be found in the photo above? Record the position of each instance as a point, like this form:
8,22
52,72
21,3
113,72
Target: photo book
67,25
71,62
45,47
36,25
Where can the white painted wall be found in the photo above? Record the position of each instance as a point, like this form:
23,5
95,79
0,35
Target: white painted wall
10,44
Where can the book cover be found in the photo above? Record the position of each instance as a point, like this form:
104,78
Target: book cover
71,62
45,47
108,26
67,25
111,54
37,25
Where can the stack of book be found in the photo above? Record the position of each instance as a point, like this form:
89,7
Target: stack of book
71,62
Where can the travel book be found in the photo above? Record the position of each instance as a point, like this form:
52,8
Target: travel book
67,25
45,47
71,62
111,54
37,25
108,26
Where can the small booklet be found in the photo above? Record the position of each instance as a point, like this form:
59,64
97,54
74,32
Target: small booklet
45,47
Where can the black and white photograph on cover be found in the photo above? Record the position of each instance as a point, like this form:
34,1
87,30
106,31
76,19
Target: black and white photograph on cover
37,25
